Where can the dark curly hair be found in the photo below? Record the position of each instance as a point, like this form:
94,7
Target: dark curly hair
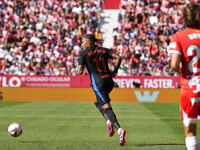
90,37
191,15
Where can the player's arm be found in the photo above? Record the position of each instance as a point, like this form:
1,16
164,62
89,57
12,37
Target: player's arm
175,53
175,62
81,63
118,60
80,69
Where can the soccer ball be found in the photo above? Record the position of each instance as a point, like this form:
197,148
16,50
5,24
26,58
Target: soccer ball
15,129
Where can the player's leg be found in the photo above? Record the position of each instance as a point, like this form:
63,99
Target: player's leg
189,112
191,140
112,117
98,104
106,106
100,109
104,100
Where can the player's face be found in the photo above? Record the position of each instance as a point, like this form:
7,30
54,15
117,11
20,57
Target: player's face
85,43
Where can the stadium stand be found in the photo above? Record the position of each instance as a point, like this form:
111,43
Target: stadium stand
43,36
143,33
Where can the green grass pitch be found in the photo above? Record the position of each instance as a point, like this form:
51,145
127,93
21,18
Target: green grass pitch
79,126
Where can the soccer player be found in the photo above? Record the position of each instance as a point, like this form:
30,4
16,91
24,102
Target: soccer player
185,58
95,59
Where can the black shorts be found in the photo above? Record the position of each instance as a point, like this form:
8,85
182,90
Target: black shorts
102,95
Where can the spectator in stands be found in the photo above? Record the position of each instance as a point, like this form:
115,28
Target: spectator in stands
49,33
42,36
144,28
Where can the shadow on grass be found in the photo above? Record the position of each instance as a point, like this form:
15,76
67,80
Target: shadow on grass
159,144
32,142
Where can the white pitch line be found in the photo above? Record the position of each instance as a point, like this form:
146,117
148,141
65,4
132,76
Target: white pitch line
83,117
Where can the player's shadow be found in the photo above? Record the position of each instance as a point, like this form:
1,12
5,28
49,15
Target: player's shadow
32,142
164,144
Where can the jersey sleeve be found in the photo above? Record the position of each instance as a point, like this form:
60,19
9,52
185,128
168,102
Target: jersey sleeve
109,53
81,60
174,46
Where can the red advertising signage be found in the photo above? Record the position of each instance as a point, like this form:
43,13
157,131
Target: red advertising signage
44,81
84,81
147,82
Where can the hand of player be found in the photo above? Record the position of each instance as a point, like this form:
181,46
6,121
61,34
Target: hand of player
113,74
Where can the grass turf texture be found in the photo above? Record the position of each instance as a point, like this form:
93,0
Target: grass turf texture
79,126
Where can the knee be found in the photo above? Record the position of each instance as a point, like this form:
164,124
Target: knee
106,106
190,130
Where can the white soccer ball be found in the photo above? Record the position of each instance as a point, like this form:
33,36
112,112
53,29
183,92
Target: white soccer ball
15,129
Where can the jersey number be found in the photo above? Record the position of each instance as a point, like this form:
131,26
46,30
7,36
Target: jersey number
98,66
195,59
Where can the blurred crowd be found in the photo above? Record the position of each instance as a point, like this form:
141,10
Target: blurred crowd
44,36
143,34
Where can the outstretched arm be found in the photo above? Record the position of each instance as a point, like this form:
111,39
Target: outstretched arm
118,63
80,69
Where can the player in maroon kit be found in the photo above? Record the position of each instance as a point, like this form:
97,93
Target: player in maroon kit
185,59
95,59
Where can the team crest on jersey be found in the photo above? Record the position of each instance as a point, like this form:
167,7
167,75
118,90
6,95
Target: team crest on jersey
172,45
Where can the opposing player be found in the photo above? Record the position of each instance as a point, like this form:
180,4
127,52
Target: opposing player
95,59
185,59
